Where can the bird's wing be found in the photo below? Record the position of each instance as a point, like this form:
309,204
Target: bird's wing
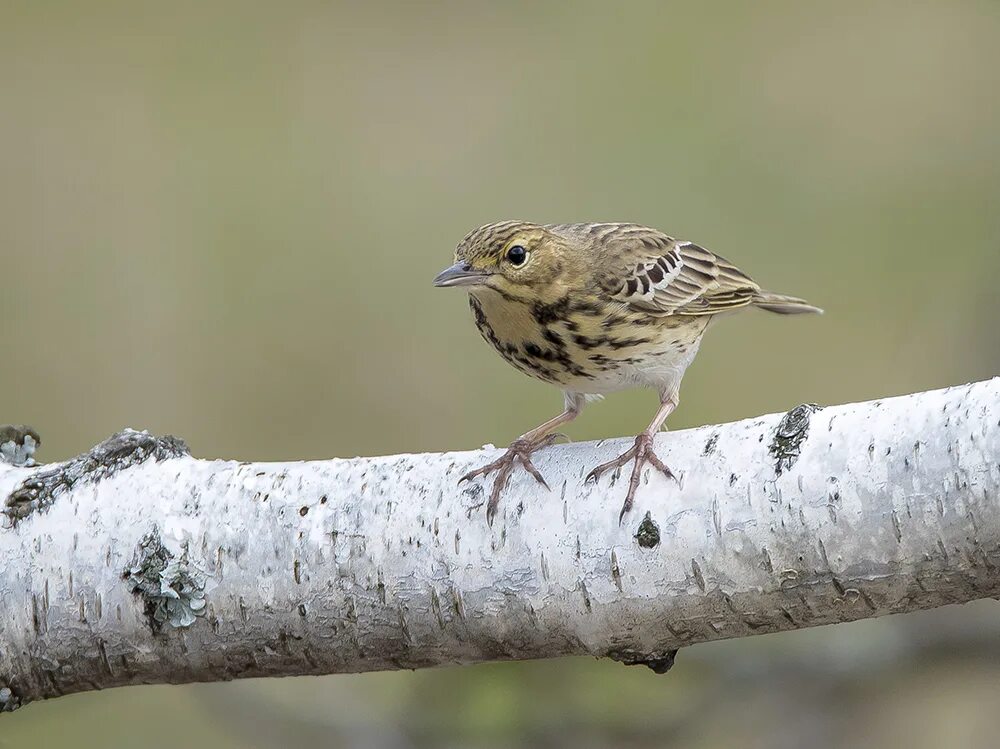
658,274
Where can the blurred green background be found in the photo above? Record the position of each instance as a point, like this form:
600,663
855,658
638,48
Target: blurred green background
220,220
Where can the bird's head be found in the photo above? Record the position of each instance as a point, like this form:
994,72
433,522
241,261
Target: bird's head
515,258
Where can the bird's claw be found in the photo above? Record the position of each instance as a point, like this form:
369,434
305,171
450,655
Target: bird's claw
518,451
641,452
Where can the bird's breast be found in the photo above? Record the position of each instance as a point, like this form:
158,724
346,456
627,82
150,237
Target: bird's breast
586,345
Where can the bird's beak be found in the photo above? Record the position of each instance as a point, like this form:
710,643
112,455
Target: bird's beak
460,274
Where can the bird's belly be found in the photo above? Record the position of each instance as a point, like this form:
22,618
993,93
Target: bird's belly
659,367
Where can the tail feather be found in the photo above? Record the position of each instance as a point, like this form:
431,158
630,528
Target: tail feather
784,305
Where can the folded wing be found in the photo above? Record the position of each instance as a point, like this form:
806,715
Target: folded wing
669,277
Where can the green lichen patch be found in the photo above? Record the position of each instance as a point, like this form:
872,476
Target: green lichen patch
790,434
18,443
117,453
171,587
648,534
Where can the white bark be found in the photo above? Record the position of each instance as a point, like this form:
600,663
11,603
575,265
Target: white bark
138,564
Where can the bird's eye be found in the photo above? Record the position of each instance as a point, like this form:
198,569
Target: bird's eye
516,255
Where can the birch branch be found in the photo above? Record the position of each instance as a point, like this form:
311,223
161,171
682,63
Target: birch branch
136,563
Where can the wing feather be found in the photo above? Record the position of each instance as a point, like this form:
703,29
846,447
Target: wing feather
665,276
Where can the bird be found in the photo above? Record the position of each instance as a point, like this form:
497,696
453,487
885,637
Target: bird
596,308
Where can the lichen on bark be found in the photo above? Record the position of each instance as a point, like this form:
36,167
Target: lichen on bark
648,534
18,443
9,701
789,435
172,589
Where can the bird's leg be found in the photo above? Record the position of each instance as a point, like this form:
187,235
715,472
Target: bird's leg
520,450
641,452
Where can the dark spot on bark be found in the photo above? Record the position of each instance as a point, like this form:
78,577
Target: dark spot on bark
303,511
698,576
117,453
648,534
586,596
659,663
710,445
789,436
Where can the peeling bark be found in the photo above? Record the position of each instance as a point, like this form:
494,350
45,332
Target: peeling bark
136,563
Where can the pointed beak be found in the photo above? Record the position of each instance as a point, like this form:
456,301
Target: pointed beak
460,274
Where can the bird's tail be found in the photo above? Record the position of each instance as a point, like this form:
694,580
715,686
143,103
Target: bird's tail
784,305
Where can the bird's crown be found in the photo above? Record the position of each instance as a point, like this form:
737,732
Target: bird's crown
492,241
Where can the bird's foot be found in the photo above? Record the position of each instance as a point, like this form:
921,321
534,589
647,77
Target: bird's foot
641,452
520,450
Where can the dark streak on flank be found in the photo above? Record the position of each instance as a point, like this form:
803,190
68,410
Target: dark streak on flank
620,343
587,307
615,320
587,343
552,337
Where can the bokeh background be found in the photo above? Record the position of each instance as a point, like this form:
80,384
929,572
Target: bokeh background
220,220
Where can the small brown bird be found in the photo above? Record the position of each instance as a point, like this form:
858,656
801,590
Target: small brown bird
593,309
